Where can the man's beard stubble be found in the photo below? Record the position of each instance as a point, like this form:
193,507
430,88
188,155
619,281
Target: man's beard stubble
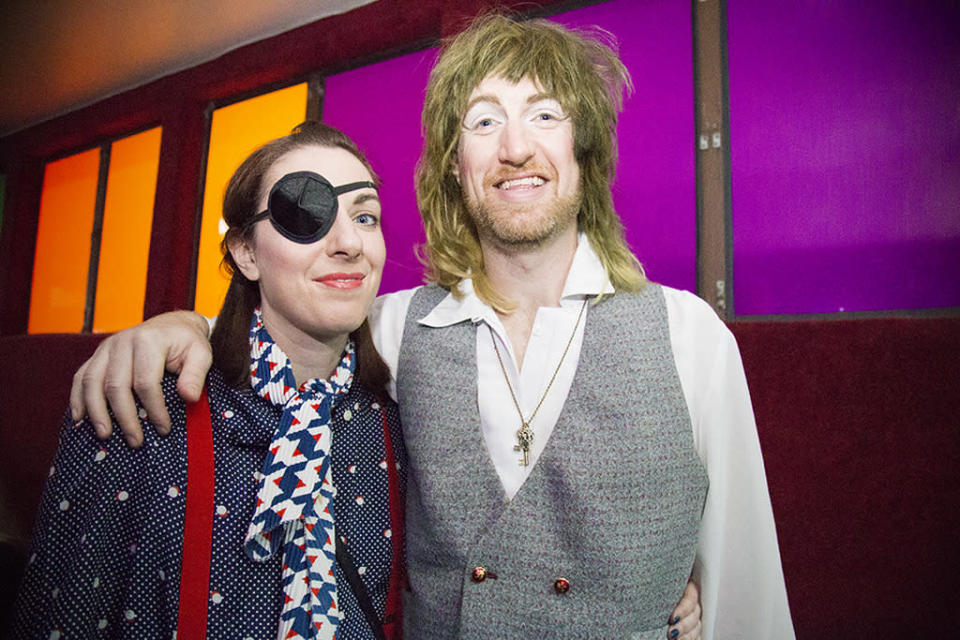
525,225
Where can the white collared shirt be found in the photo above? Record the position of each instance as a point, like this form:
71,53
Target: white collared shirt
738,561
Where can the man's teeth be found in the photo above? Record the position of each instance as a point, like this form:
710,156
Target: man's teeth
533,181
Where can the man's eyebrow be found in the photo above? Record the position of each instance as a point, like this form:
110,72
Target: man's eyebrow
484,98
540,97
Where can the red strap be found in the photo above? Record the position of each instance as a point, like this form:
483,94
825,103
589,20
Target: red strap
392,620
198,527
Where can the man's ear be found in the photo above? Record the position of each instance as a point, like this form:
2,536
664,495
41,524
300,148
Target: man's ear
455,169
241,250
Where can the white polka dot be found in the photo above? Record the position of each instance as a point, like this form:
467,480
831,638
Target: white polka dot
100,455
388,533
129,614
228,414
96,582
347,415
375,405
383,464
55,593
398,466
215,597
352,468
359,499
64,505
83,539
53,470
173,491
33,558
122,495
163,576
55,634
221,510
142,413
102,624
362,570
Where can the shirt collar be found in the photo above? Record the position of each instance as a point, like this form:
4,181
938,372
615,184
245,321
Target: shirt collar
586,277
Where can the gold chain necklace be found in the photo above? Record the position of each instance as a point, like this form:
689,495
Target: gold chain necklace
525,433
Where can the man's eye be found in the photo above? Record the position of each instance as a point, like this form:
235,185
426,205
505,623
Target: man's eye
480,124
547,117
367,219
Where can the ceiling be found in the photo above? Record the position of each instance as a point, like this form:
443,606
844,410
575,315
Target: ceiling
59,55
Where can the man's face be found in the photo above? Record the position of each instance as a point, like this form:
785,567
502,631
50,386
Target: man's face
516,165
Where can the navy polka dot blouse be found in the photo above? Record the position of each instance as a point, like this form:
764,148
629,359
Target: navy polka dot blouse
108,539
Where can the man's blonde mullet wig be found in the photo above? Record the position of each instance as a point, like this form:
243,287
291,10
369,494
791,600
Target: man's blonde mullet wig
582,70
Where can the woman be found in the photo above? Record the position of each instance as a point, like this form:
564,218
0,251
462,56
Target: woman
262,545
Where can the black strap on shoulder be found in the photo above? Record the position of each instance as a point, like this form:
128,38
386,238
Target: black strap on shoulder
349,570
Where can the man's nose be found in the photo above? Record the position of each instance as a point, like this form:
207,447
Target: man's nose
516,145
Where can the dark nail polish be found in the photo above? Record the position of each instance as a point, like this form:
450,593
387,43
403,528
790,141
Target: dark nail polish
675,633
675,620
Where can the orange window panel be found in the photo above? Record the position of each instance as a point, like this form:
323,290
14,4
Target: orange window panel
235,131
125,239
59,287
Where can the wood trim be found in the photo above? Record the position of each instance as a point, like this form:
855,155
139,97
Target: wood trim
316,90
714,255
931,312
93,265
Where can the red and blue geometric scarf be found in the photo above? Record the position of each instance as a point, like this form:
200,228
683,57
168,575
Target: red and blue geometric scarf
295,491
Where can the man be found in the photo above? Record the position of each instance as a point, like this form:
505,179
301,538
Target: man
579,438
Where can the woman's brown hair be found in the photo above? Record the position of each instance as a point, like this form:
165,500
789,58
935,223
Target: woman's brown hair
231,334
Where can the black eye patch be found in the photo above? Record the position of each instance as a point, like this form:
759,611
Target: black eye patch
302,206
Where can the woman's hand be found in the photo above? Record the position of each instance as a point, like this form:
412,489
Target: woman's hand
133,360
685,619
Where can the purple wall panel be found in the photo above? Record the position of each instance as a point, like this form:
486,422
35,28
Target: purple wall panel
379,106
655,191
845,155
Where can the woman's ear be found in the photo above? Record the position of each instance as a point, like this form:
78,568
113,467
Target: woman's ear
241,250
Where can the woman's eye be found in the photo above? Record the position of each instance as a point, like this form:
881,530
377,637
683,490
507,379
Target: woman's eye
367,219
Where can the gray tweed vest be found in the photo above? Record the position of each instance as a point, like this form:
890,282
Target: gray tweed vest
613,504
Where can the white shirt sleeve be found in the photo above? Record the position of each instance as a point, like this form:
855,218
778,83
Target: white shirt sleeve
387,317
742,590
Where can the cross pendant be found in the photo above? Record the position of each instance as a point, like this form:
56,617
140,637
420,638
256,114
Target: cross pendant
524,440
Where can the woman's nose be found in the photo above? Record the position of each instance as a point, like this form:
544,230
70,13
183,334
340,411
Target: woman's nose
344,239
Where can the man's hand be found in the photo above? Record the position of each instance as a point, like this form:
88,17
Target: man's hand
685,619
133,360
